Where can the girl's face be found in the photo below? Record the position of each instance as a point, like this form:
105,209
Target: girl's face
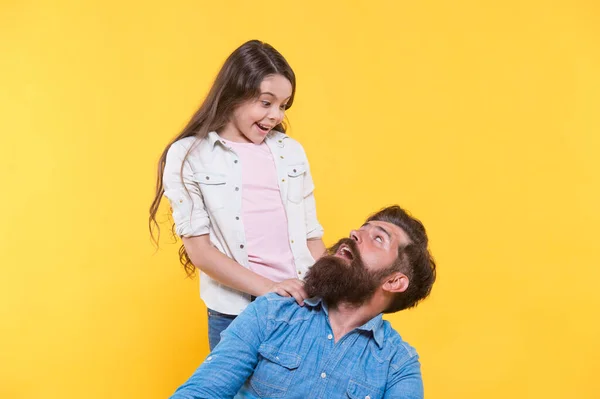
254,119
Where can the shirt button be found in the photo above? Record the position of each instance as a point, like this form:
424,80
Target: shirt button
292,241
209,358
237,218
323,375
294,170
367,397
237,189
242,246
281,156
330,336
283,180
235,161
207,177
279,141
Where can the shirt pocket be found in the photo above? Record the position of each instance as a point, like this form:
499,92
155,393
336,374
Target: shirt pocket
274,372
213,187
360,390
296,182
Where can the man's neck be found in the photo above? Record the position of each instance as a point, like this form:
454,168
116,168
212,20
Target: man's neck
345,318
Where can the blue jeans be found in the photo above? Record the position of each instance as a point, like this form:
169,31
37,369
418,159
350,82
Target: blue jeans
217,323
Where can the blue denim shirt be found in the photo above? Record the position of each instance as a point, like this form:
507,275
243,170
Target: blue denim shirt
278,349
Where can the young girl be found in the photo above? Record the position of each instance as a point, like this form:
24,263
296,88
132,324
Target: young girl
240,190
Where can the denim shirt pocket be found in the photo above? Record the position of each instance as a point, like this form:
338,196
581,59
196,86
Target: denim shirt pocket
213,187
360,390
296,182
274,372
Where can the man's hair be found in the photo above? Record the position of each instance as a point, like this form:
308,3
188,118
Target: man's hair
414,259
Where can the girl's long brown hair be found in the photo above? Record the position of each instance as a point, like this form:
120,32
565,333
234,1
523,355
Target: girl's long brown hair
238,81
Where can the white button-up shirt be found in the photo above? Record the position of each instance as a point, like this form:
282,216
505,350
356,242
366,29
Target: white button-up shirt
204,201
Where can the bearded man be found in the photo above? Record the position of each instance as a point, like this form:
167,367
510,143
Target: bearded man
336,344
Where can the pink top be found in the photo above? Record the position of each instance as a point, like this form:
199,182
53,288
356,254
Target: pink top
263,214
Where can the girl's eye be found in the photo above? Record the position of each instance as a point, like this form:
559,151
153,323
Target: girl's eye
266,103
283,107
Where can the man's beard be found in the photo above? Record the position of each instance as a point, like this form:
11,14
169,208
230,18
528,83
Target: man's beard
336,281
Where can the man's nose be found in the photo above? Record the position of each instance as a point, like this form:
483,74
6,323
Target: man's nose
354,235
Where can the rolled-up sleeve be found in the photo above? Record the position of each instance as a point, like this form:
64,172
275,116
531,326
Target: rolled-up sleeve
313,227
183,193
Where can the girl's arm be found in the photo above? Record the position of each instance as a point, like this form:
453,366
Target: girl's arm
192,224
230,273
316,246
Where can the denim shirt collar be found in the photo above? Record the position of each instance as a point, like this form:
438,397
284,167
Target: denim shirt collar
375,325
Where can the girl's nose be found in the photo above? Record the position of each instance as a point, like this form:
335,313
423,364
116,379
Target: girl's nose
276,115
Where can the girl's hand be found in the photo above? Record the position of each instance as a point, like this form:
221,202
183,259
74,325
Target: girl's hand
290,287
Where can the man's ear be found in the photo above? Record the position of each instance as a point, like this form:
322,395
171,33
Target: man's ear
396,282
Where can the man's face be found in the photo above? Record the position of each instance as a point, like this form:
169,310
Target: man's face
377,243
356,266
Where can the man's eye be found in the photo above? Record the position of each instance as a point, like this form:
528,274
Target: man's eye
378,239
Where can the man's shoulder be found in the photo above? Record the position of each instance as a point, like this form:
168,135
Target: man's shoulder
273,299
284,309
396,348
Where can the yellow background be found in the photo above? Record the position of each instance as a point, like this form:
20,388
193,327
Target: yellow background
481,117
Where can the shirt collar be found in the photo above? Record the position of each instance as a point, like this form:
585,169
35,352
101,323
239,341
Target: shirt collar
375,325
213,138
275,136
316,301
